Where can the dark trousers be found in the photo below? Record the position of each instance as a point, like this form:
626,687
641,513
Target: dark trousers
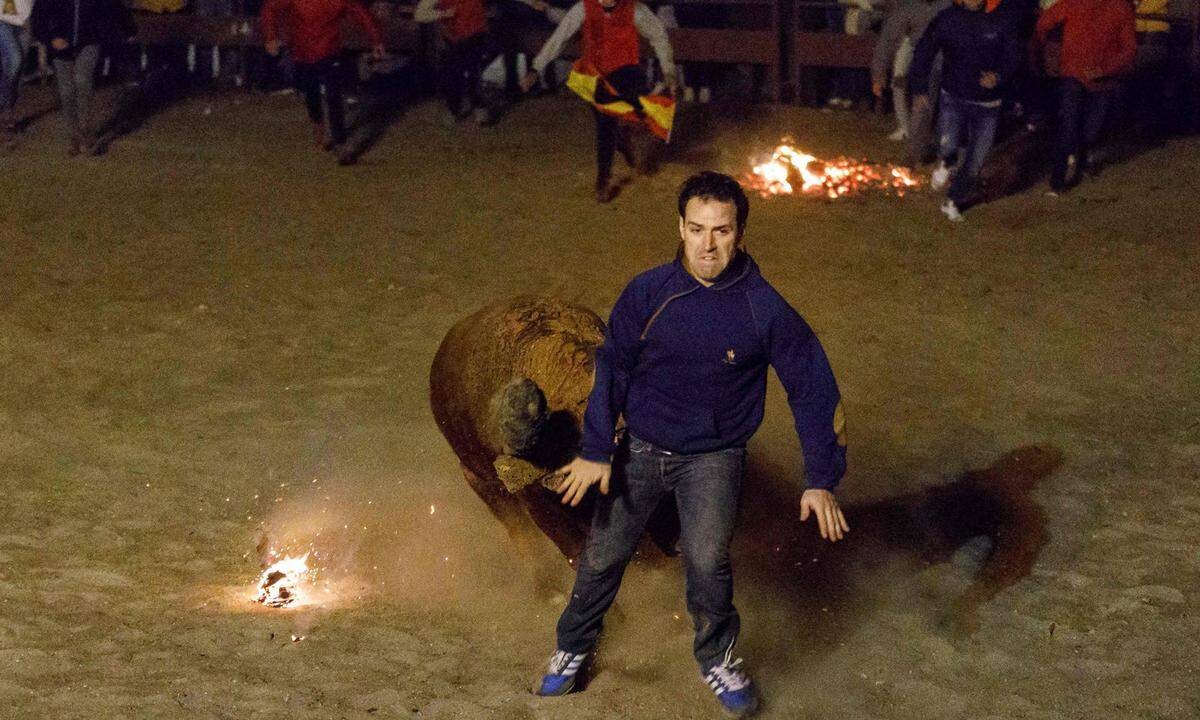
1081,116
972,128
624,83
461,68
706,488
325,74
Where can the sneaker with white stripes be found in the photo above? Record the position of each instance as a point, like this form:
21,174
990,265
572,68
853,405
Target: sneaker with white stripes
560,674
733,688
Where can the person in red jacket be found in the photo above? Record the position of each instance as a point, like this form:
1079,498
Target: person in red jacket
314,36
611,53
465,29
1098,47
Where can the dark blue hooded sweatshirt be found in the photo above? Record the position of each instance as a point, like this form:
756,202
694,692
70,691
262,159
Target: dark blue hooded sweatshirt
687,367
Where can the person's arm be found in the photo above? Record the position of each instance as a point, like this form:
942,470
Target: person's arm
366,21
890,37
803,369
923,55
271,11
1010,56
651,27
1050,18
816,404
614,361
1121,59
566,29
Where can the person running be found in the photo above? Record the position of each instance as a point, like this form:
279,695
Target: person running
611,67
981,53
14,16
1099,42
74,30
314,38
684,362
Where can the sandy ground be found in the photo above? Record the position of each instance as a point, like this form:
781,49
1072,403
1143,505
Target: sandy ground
212,332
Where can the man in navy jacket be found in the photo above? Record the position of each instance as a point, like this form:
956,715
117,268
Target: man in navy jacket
684,361
982,53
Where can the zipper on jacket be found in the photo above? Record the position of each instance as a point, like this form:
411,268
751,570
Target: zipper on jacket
662,307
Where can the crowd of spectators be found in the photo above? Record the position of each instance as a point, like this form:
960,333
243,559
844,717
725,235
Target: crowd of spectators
954,69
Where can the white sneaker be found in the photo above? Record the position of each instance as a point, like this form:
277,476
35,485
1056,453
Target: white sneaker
940,176
951,211
898,135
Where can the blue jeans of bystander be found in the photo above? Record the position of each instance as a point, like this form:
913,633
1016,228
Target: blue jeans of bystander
706,488
971,127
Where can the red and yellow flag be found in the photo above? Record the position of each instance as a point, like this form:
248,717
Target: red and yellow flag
658,110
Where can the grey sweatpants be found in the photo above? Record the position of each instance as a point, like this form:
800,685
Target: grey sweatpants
75,79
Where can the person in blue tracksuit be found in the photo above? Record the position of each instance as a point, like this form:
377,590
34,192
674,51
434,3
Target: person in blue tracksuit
684,361
982,52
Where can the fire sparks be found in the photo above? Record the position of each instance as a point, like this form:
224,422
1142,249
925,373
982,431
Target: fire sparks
789,171
282,583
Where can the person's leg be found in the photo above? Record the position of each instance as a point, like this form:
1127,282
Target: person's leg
11,55
85,78
900,65
64,80
1096,113
950,124
331,77
981,124
453,73
706,492
308,82
1067,135
618,521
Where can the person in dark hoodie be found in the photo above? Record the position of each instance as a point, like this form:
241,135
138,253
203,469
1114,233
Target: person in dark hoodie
981,53
684,361
74,30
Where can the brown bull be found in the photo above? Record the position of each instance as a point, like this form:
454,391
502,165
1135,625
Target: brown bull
508,388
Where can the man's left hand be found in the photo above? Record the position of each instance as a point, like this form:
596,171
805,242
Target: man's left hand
989,80
830,519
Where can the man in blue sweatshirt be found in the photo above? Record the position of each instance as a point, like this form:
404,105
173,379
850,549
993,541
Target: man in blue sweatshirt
684,361
982,52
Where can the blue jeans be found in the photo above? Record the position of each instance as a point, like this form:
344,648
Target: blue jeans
12,52
706,488
970,126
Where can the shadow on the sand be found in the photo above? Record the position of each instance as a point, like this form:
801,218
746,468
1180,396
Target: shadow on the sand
983,530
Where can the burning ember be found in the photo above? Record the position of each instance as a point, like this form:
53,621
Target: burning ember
790,170
281,583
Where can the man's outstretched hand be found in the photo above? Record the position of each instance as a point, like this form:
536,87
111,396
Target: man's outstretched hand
578,476
829,516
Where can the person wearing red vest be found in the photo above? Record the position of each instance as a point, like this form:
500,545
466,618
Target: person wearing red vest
465,29
611,30
314,37
1099,41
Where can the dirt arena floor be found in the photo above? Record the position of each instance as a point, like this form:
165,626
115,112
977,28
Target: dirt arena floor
213,334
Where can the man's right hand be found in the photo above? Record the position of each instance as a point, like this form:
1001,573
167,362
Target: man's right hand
528,82
60,44
578,476
272,47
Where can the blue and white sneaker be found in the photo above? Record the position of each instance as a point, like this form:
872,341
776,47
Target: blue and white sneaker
560,674
733,688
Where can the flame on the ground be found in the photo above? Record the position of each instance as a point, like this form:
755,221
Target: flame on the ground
282,583
789,171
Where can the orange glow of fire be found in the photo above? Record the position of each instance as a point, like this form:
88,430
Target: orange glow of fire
282,584
789,171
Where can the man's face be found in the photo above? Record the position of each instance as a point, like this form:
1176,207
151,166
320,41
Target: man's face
710,237
608,4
